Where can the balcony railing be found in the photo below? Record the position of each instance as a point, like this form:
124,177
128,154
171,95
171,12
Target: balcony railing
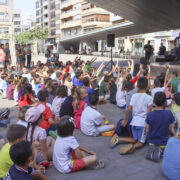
71,24
70,13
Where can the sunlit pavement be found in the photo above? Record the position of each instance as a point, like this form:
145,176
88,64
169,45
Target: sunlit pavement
117,167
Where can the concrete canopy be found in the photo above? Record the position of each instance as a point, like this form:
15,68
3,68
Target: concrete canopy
144,16
147,15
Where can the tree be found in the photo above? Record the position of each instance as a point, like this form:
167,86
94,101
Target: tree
28,37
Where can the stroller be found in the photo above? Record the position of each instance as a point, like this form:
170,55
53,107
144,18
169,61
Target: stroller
4,118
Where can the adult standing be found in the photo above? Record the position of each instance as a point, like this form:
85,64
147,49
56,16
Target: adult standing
177,47
23,58
8,54
2,55
162,50
19,57
48,53
148,51
28,53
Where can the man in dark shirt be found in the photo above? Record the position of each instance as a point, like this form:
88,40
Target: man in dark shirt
148,51
177,47
162,50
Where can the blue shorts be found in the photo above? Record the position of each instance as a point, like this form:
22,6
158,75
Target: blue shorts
139,133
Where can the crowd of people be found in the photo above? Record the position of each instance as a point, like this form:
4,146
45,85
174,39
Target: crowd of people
56,98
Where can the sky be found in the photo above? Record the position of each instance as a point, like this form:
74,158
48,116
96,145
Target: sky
27,7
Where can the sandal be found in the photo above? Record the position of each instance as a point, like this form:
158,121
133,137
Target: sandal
127,149
98,165
114,141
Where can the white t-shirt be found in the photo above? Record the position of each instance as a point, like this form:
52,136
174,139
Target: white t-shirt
56,105
90,119
62,151
158,89
23,123
28,76
120,96
140,103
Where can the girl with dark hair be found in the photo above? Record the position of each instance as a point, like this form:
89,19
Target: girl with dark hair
26,98
61,94
44,144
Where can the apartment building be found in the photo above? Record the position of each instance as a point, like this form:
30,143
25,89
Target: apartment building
46,18
71,19
94,17
17,21
6,25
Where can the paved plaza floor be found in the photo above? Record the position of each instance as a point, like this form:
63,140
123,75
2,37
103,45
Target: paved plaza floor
117,167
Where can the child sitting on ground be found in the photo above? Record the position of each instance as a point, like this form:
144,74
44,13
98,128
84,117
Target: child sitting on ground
33,117
68,155
21,154
103,89
48,122
15,133
21,116
140,105
61,94
92,121
79,104
170,163
86,82
10,89
158,125
27,98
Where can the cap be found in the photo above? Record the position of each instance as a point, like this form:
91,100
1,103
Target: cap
33,114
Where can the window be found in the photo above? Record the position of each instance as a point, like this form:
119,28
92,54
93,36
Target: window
17,23
17,15
37,5
52,15
3,16
77,17
52,6
3,1
53,24
77,6
53,32
4,30
38,13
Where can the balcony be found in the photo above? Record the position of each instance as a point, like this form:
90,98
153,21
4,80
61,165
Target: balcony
95,24
93,11
68,3
45,19
71,24
45,3
71,13
45,11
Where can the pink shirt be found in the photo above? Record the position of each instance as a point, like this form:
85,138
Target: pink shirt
78,113
2,55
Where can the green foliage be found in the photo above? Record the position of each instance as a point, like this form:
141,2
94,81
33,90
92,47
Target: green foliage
30,36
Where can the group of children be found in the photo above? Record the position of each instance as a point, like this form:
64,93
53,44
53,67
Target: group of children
54,99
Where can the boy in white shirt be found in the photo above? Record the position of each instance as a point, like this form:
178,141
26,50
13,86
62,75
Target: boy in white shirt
140,105
92,121
68,155
26,74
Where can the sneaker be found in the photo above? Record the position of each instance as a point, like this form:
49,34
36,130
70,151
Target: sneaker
127,149
114,141
98,165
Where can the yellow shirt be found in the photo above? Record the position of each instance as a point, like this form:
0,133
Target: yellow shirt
5,160
175,109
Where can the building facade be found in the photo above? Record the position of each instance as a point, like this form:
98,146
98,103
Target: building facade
46,18
17,21
6,23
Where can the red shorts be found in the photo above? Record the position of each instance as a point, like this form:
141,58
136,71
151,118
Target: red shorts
78,164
